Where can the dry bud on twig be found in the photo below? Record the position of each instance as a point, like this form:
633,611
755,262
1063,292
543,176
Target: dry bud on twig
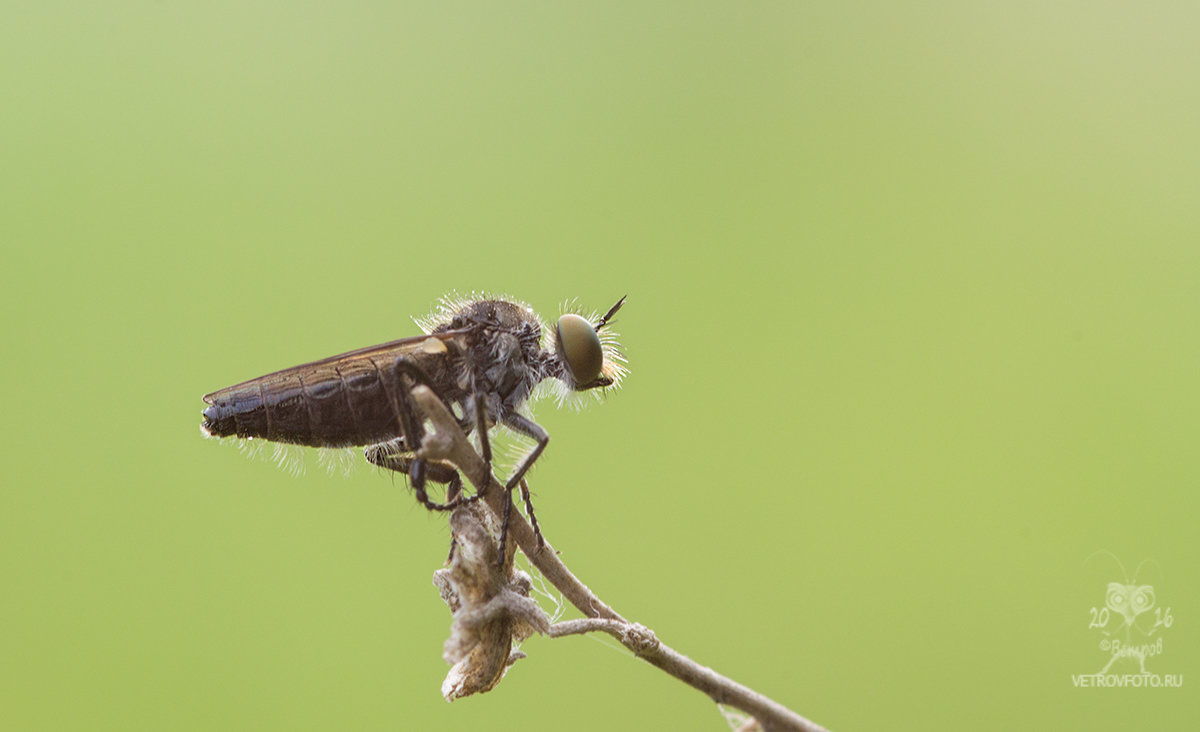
491,606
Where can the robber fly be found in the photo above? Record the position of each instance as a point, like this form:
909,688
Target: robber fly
482,358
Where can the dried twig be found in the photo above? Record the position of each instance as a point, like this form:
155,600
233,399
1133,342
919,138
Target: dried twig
491,607
448,443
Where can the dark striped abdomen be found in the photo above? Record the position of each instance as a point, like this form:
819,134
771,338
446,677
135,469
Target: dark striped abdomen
350,404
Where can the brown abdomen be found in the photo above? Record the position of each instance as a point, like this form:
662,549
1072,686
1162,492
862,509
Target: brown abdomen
337,406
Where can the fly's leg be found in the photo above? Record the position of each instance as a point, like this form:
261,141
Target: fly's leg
507,516
537,531
532,429
409,375
481,428
454,490
508,503
481,423
393,456
411,427
527,427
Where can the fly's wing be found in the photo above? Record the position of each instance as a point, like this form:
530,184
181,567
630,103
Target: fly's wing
326,368
348,399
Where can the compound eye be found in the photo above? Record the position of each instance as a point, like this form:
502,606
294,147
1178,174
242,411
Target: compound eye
579,348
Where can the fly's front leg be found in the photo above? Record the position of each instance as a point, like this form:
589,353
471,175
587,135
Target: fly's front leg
528,427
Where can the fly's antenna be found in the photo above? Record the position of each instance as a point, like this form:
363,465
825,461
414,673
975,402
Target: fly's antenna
611,312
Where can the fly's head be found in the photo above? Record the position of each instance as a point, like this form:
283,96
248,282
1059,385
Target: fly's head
585,354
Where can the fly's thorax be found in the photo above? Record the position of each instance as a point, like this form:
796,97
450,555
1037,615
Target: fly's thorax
503,358
516,369
500,314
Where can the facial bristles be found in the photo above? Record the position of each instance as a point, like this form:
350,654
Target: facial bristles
614,358
563,390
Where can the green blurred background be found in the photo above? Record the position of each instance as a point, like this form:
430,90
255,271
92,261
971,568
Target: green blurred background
913,295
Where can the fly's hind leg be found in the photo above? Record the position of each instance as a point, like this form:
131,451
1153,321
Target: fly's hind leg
394,456
408,375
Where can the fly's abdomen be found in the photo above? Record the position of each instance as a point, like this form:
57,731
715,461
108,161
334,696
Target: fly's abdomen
330,407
